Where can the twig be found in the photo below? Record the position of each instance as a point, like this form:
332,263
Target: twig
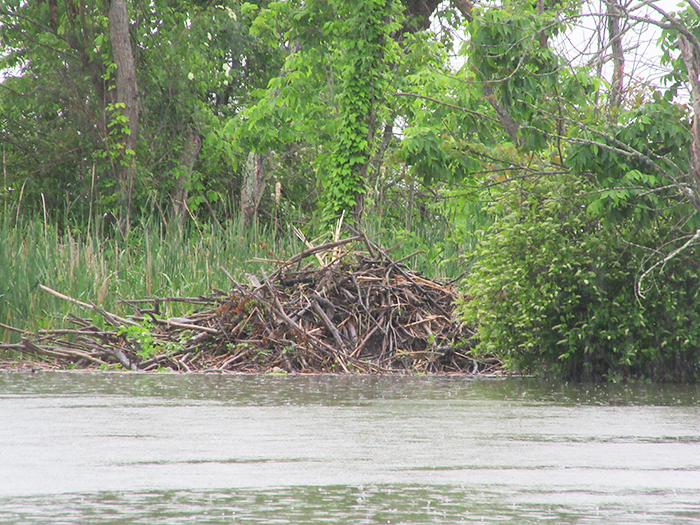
663,262
312,251
28,346
109,317
192,300
408,256
430,299
329,324
187,326
13,329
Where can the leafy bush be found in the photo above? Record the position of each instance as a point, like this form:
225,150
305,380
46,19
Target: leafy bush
552,292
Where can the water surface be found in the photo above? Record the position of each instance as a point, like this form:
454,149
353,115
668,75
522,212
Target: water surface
150,449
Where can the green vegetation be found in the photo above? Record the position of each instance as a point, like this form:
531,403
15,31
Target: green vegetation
146,144
155,262
554,292
103,269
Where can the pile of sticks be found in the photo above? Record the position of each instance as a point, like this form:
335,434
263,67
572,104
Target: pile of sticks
330,308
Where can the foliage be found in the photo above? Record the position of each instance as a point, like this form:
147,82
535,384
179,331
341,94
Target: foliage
519,72
365,77
559,283
554,293
49,138
199,68
683,22
60,124
141,336
439,141
363,106
103,267
331,97
639,163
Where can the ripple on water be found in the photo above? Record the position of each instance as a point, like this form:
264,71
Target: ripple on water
372,504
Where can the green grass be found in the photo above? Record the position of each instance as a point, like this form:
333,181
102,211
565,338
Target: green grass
102,270
151,261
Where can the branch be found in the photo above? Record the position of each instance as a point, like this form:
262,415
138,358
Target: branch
663,262
622,148
672,23
35,23
447,104
109,317
311,251
695,6
465,7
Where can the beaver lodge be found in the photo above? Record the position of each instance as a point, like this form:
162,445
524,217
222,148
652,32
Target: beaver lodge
330,308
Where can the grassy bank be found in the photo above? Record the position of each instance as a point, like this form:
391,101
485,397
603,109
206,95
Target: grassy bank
154,261
103,269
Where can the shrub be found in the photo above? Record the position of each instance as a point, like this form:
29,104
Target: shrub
552,292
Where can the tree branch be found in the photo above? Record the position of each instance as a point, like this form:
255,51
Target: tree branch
447,104
663,262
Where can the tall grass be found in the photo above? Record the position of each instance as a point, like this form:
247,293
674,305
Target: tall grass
152,261
147,262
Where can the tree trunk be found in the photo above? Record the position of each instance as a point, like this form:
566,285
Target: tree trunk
510,125
127,94
616,84
420,11
253,186
188,156
544,38
691,57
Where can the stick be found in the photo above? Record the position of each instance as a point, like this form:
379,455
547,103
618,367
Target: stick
13,329
364,307
393,264
188,326
280,310
109,317
311,251
329,324
193,300
368,244
408,256
122,358
28,346
364,341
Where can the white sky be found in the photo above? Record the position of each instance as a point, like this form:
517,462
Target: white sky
589,34
640,39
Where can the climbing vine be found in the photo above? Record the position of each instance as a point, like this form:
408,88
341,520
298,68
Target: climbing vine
367,48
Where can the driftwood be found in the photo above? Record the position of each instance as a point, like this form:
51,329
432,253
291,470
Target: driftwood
352,312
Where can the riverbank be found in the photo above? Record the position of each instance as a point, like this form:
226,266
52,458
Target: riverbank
330,308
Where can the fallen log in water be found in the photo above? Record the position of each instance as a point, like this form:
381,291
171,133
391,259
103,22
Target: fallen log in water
352,311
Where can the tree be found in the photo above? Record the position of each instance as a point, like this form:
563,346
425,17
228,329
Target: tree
549,108
335,72
553,292
119,97
126,108
57,45
253,186
332,98
54,96
202,66
363,65
645,161
589,267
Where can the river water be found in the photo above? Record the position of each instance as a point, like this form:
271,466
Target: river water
88,448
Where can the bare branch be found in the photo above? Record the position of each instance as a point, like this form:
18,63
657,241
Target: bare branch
690,242
447,104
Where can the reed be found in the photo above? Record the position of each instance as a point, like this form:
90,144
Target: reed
103,267
149,261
